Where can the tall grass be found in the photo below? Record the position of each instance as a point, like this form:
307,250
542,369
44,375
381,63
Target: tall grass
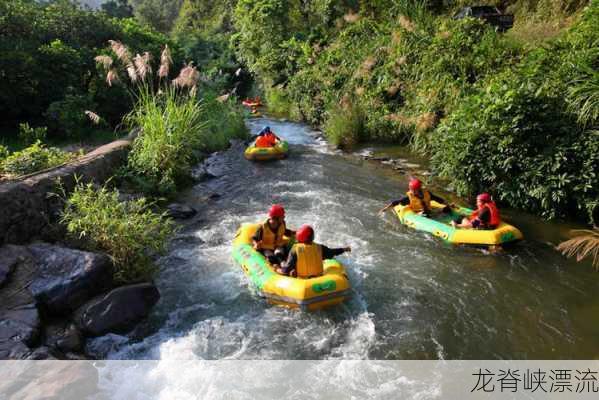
171,127
173,123
278,103
345,125
223,121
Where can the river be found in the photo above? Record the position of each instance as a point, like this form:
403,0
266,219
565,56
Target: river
414,297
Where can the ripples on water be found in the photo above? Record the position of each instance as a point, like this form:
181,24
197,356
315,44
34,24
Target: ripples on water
413,296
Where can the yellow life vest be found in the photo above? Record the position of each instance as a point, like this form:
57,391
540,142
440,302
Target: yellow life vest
418,204
309,260
271,240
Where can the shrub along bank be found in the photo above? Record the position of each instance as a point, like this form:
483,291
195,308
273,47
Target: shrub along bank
494,112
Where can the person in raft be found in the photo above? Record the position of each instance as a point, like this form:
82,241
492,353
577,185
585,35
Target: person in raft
269,239
266,138
486,215
418,198
305,258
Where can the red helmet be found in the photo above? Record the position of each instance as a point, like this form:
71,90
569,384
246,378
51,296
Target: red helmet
483,197
304,234
415,184
276,210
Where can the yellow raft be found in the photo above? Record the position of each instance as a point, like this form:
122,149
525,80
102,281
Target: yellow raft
440,226
276,152
308,294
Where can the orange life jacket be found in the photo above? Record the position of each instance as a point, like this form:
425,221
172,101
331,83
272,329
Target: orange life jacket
271,240
418,204
494,219
266,140
309,260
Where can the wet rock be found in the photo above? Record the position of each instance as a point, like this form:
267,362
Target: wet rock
180,211
189,239
118,310
41,353
19,316
201,174
68,278
64,337
8,262
214,196
380,158
19,328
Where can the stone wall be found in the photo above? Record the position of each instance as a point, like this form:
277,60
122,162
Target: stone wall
27,206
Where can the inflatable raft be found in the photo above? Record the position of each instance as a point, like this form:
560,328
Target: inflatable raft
251,103
308,294
440,226
276,152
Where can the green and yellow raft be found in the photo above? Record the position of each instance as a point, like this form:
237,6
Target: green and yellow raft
276,152
308,294
440,226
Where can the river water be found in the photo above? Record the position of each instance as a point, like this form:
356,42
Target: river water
414,297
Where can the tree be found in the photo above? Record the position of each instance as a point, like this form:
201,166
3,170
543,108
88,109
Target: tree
160,14
118,9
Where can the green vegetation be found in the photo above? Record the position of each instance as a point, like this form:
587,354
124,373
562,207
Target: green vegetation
31,159
31,135
513,114
171,128
49,74
129,232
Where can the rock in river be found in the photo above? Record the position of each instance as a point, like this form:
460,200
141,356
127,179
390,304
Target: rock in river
67,278
180,211
117,311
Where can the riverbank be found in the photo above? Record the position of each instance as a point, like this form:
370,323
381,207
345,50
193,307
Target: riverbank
493,112
54,298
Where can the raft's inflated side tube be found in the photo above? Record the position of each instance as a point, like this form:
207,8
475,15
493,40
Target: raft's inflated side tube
276,152
308,294
441,227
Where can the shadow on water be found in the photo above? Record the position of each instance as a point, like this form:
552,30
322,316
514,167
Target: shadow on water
414,297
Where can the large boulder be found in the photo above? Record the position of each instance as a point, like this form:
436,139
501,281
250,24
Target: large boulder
9,258
63,336
19,328
19,317
67,278
117,311
5,270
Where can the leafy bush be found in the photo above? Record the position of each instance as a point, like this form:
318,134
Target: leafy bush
68,116
517,141
223,121
129,232
3,154
34,158
31,135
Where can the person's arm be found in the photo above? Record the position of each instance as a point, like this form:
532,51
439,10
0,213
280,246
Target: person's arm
404,201
257,238
484,216
328,253
289,233
289,265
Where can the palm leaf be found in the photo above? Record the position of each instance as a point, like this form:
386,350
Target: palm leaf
585,244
